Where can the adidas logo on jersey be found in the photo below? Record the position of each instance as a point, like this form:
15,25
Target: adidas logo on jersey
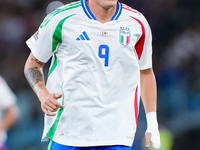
83,36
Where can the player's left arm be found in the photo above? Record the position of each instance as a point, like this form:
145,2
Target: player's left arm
149,99
11,116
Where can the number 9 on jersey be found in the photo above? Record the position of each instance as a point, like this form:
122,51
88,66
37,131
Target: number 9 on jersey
104,53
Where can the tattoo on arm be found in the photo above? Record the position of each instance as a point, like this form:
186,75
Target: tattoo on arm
38,62
34,76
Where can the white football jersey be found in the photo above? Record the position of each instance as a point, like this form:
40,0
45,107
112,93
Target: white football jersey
7,99
97,69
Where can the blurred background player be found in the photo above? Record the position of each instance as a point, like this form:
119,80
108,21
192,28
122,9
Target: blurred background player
8,112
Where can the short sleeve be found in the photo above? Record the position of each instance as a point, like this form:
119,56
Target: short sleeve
40,43
143,46
7,97
145,61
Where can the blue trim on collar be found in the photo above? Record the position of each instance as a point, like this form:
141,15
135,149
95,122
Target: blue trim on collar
118,12
87,10
92,17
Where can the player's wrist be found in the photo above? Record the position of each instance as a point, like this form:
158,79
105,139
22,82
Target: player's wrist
42,94
152,127
152,122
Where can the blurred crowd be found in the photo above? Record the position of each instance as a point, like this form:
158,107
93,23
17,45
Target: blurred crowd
175,27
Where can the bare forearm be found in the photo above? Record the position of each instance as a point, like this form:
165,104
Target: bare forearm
34,74
11,115
35,78
149,99
148,90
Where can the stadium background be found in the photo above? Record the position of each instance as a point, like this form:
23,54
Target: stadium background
176,40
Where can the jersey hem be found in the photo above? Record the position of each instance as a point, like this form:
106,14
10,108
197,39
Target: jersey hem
145,67
87,144
82,143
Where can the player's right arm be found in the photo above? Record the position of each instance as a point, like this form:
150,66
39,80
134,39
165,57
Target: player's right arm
33,71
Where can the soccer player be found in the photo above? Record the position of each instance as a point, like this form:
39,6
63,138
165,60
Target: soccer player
101,61
8,111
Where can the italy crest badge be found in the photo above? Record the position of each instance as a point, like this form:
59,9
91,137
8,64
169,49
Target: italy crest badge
124,35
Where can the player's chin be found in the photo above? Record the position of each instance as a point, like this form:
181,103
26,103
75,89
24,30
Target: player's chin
110,3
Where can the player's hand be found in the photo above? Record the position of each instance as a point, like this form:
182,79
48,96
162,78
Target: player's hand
155,143
152,133
49,103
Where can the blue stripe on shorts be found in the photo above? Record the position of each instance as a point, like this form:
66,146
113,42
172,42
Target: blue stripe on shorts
57,146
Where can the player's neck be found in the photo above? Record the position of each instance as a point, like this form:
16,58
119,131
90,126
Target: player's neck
102,14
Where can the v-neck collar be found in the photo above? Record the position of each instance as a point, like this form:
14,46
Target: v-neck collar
92,17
